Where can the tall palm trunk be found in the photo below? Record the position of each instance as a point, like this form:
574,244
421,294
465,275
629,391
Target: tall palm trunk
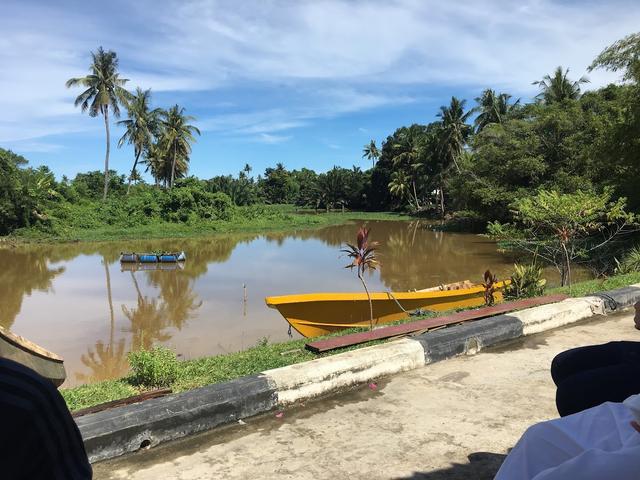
105,112
442,200
173,166
135,164
109,299
415,195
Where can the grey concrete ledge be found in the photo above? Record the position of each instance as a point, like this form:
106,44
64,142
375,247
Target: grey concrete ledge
620,298
126,429
468,338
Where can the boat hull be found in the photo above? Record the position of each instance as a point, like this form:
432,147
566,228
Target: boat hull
317,314
21,350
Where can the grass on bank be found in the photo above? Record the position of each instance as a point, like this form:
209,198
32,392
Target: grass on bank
204,371
253,219
582,289
264,356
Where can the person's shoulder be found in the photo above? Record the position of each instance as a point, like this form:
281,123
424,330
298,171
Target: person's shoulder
12,369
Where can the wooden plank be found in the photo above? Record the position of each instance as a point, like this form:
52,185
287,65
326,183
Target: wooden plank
123,401
429,323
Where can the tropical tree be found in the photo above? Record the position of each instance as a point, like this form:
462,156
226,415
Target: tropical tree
452,138
399,185
493,108
622,55
155,160
559,87
141,126
178,135
561,228
364,258
371,152
104,90
409,151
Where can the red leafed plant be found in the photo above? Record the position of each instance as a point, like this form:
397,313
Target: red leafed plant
364,257
489,285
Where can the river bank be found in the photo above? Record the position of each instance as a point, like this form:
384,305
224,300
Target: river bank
264,356
254,219
452,420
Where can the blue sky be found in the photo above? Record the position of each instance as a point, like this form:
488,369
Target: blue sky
306,83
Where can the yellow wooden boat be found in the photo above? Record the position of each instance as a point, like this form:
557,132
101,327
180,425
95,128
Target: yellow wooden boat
315,314
21,350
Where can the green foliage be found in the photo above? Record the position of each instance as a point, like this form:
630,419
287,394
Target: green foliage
622,55
526,281
630,261
561,228
153,368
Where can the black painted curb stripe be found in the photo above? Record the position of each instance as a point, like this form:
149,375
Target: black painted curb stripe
473,336
622,298
468,337
126,429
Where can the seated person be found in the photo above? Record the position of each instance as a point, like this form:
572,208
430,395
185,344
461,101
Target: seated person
599,443
589,376
38,437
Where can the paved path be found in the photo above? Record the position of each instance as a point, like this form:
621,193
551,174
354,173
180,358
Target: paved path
451,420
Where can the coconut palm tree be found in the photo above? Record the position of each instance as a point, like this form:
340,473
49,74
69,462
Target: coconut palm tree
493,108
399,185
453,137
177,136
154,159
455,130
104,90
371,152
559,87
409,156
141,126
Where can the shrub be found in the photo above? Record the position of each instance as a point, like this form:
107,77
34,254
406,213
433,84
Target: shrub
630,262
157,367
526,281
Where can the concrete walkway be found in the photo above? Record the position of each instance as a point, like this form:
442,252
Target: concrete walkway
451,420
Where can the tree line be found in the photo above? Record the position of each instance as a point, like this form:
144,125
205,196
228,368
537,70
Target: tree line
471,165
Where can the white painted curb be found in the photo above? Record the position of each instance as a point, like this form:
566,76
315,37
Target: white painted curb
317,377
554,315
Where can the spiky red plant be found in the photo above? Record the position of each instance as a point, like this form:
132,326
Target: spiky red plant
364,257
489,285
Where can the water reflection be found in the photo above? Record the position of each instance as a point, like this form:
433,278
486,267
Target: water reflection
76,299
22,272
104,361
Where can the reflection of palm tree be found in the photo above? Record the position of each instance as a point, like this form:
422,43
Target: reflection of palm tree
147,320
179,299
109,299
105,362
147,323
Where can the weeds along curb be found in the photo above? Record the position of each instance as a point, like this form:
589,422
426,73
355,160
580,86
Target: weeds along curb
128,428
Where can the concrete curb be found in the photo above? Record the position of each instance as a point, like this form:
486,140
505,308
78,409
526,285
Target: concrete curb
126,429
317,377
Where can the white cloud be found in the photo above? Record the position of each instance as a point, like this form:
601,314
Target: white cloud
272,139
306,60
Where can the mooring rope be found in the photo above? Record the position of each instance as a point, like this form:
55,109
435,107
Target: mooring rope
396,300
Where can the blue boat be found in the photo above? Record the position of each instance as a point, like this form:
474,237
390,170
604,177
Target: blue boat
153,257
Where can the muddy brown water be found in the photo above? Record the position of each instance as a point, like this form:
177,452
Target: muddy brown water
77,300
